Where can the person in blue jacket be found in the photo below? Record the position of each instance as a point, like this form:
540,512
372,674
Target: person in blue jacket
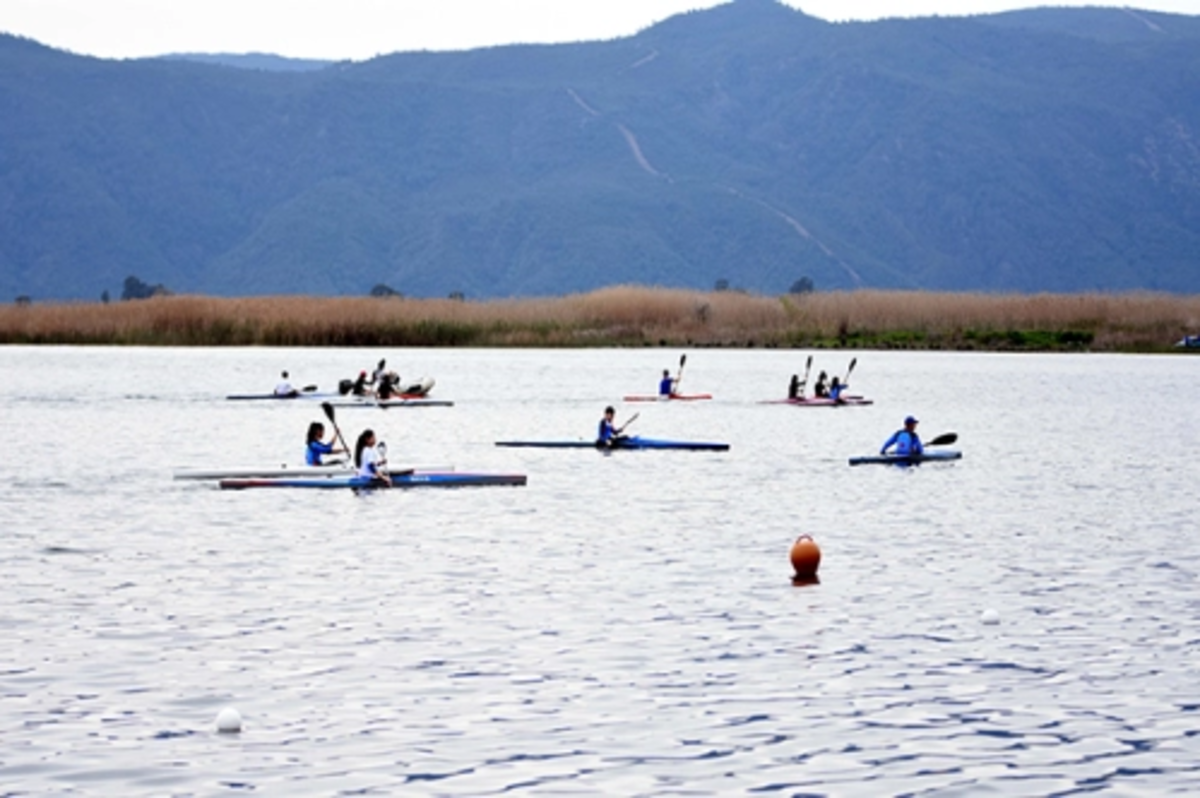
906,441
666,386
317,448
835,390
609,435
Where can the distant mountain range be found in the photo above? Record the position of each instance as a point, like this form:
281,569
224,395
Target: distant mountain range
1043,150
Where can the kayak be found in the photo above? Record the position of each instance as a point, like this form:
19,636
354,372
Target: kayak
249,397
821,401
385,403
907,459
273,472
265,471
675,397
415,480
635,442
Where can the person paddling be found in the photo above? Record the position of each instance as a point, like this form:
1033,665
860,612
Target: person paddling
821,389
666,386
835,390
318,448
368,461
609,435
905,440
359,388
284,388
794,387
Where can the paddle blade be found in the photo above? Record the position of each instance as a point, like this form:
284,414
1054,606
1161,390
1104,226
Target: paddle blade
853,363
682,360
327,409
944,440
309,388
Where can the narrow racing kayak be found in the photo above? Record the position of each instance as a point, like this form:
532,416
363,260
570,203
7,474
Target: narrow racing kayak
635,442
386,403
907,459
675,397
252,397
449,479
820,401
299,471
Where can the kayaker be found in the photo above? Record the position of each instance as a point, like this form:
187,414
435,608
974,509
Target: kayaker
359,388
835,389
666,386
379,373
284,388
317,448
389,385
821,389
794,387
905,440
609,435
367,459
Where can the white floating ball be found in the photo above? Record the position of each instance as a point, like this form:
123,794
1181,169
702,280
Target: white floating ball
989,617
229,721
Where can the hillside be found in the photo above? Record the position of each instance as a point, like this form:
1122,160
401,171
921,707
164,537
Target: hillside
1046,150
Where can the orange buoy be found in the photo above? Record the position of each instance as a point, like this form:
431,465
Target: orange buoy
806,558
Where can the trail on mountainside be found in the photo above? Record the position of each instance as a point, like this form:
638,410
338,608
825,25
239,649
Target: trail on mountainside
637,152
803,231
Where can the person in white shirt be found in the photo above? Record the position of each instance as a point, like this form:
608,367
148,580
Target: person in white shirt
367,459
284,388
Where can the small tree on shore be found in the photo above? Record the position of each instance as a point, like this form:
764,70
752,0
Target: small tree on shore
381,291
802,286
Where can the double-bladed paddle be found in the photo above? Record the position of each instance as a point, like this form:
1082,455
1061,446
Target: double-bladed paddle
328,410
853,363
678,377
943,440
804,382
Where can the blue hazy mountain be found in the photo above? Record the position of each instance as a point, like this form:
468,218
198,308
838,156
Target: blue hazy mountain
1041,150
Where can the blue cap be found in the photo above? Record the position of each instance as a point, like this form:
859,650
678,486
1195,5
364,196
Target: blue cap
909,420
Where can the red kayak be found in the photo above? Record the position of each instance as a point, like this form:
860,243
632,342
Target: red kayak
675,397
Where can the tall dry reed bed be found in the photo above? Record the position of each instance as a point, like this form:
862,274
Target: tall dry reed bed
627,316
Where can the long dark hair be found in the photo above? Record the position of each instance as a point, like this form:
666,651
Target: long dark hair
361,444
315,431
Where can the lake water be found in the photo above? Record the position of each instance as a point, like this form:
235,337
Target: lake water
625,624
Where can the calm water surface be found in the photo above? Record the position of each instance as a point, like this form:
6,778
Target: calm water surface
623,625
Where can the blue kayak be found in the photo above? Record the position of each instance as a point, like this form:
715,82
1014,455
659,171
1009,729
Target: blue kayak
907,459
449,479
632,443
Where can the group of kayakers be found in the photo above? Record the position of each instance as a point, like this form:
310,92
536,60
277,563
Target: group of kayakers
370,463
825,388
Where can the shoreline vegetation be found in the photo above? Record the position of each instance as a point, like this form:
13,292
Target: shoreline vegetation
629,316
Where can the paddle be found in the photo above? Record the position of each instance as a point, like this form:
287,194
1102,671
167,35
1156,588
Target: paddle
328,410
308,388
804,382
621,429
678,377
381,447
853,363
943,440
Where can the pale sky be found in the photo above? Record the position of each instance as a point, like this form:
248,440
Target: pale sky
360,29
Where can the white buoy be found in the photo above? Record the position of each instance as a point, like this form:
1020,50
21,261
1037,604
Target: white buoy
229,721
989,617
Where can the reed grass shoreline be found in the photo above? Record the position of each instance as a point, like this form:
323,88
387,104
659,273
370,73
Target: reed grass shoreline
629,316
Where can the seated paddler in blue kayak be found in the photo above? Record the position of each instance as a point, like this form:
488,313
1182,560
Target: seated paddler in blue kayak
905,440
367,459
316,447
610,435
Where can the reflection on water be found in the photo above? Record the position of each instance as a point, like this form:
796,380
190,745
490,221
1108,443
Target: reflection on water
624,624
